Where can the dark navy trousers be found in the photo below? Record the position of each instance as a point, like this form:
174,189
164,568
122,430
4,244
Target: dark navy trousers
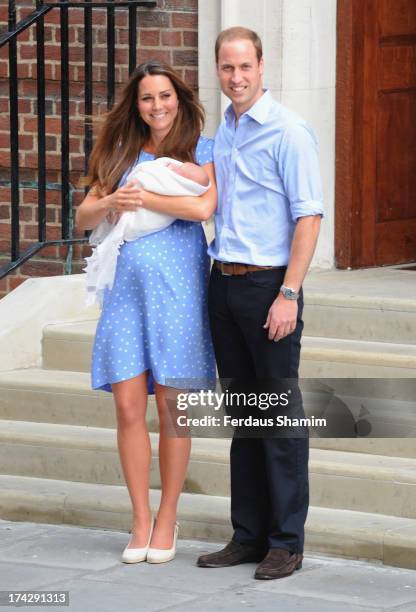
269,476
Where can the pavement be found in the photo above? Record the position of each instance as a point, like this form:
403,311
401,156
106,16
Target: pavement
85,562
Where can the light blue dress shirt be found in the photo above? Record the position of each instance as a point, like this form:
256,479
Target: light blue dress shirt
268,176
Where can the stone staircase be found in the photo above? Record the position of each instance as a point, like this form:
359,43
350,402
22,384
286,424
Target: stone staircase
58,451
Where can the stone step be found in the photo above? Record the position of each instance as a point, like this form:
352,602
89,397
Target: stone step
335,357
344,533
89,454
57,397
378,305
388,447
353,481
68,347
65,397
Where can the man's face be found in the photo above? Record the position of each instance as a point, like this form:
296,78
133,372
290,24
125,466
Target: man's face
240,74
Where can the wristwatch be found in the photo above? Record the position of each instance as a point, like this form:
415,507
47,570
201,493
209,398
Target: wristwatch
289,294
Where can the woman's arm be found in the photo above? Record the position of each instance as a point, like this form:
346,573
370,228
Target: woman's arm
190,208
94,209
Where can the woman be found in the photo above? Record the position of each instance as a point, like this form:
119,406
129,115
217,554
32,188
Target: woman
154,328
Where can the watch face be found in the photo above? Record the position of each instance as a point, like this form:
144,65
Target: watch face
289,294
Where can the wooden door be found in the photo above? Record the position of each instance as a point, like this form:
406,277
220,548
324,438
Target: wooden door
376,133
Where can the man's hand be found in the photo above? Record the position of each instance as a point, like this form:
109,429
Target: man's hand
281,318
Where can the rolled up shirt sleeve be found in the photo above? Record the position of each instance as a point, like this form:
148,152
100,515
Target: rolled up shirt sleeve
298,166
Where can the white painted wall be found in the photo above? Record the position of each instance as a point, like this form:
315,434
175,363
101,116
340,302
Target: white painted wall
299,43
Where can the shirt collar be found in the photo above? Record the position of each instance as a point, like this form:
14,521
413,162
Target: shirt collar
259,111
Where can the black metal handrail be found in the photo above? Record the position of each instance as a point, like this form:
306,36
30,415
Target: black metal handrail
10,37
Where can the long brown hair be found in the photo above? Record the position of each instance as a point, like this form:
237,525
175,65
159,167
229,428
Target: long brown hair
124,133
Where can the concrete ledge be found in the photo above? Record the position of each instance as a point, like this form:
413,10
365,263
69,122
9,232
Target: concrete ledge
351,301
362,535
357,535
68,346
90,455
91,505
26,310
377,304
60,397
65,397
391,447
389,288
351,481
359,352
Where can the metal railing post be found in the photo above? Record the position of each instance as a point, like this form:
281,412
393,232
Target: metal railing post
65,200
40,73
14,136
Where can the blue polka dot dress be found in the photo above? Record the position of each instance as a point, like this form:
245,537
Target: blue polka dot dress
155,317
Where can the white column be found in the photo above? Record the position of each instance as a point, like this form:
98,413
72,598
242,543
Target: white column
308,87
209,25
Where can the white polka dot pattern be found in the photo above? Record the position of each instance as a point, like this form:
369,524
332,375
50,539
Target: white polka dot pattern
155,317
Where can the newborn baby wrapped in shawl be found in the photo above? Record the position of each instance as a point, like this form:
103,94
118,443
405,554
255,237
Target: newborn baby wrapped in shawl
155,176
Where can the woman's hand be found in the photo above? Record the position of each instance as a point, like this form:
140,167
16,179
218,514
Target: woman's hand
126,198
94,209
144,198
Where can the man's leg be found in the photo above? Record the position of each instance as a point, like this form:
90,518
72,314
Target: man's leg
287,472
285,458
248,472
249,489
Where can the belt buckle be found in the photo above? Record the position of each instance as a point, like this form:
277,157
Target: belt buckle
222,269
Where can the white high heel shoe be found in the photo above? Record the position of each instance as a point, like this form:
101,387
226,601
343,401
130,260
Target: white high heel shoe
135,555
159,555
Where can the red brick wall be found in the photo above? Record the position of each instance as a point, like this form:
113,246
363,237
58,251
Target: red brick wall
168,32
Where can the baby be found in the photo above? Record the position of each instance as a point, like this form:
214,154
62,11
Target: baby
193,172
164,176
188,170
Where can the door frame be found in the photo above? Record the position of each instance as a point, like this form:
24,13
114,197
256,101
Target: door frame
348,152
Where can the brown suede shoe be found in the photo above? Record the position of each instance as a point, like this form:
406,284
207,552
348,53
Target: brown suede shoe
233,554
278,563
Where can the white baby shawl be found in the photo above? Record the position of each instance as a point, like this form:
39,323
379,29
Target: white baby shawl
107,238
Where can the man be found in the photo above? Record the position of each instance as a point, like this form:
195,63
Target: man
267,224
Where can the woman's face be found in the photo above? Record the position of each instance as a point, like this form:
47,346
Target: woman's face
158,104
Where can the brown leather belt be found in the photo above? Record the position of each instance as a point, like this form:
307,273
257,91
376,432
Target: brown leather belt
239,269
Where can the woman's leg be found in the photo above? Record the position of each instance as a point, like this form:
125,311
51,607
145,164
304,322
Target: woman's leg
173,461
135,451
